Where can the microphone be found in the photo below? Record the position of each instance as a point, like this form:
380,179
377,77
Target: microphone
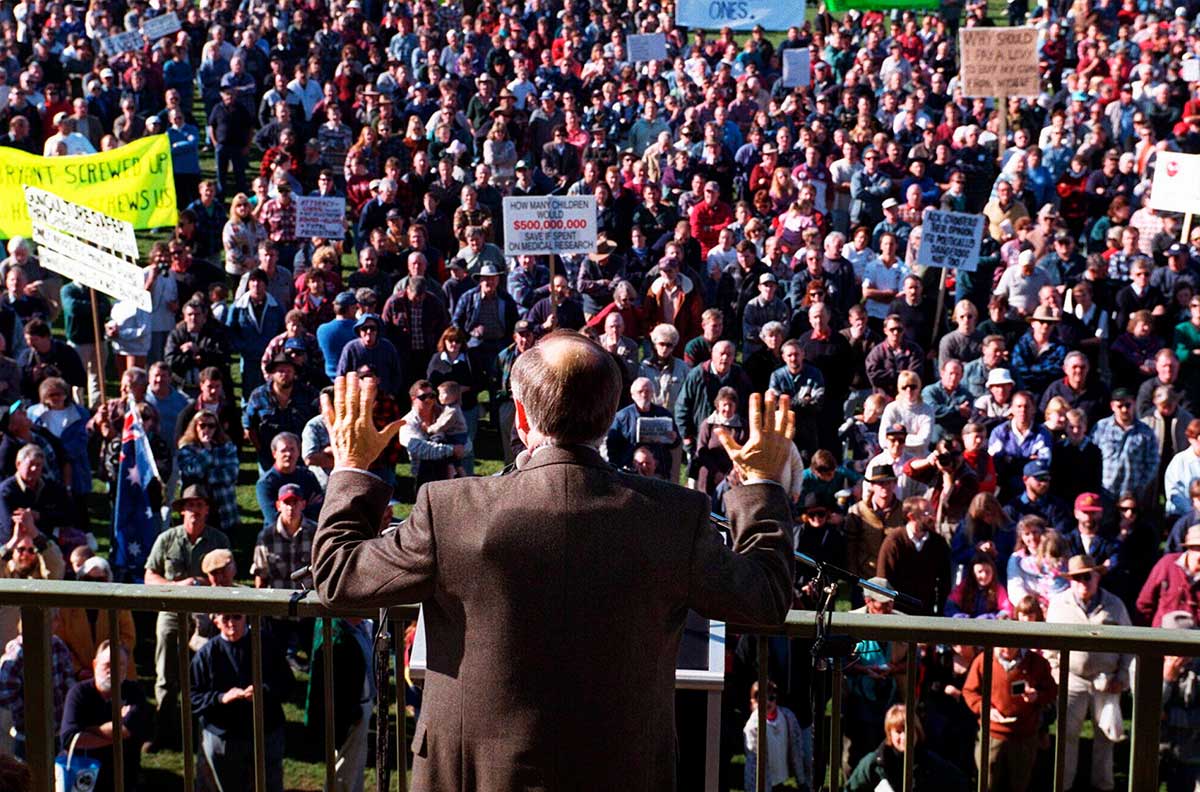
837,572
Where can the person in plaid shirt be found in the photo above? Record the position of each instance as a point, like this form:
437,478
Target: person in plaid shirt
12,683
284,547
279,217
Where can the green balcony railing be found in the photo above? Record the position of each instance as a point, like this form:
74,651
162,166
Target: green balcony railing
36,598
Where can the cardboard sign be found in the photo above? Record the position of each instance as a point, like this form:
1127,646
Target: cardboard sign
739,14
50,210
128,41
540,225
317,216
796,67
950,240
1176,185
999,61
76,260
159,26
1191,70
650,47
654,430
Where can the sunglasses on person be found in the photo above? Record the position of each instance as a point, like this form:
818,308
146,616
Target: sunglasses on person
425,397
894,329
24,550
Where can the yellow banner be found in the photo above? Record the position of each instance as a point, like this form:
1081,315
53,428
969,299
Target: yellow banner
134,182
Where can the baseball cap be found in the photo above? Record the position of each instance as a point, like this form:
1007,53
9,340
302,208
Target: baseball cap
290,492
216,559
345,299
368,318
1177,250
523,326
767,277
1088,502
896,429
1037,468
294,344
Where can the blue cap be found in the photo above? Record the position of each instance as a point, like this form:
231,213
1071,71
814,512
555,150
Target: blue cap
1037,468
366,319
294,343
345,299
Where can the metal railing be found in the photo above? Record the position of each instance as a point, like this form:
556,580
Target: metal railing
36,598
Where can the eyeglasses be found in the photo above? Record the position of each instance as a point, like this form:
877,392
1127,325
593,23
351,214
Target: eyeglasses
894,329
908,387
425,397
1129,509
24,550
206,426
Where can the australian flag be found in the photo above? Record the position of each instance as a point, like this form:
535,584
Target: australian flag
135,524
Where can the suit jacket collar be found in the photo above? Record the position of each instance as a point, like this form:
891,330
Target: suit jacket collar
564,455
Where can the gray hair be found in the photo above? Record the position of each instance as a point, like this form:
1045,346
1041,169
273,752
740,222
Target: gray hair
771,328
31,451
284,437
665,333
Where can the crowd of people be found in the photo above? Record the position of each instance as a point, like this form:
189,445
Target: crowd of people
1012,439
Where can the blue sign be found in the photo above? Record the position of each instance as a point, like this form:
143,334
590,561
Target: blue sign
738,14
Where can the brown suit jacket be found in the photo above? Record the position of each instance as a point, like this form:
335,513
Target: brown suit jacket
554,599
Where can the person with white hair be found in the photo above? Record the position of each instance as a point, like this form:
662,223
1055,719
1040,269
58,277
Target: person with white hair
643,424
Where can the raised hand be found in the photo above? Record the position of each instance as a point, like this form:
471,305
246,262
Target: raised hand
353,437
766,451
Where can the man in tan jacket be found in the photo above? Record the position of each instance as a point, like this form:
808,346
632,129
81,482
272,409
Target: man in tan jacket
30,555
554,596
870,520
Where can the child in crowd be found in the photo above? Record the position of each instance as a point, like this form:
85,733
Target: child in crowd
785,743
451,424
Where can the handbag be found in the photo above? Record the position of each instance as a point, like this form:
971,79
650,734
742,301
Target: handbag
75,775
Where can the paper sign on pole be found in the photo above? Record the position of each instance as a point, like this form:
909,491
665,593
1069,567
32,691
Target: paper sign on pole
649,47
1176,185
999,61
128,41
538,225
950,240
738,14
1191,70
50,210
319,216
159,26
796,67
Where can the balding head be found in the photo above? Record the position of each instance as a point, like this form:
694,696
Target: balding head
568,387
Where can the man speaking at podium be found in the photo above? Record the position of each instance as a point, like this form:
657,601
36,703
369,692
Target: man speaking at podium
554,595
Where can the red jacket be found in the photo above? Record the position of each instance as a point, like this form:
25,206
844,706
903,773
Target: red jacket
1168,588
1034,671
707,223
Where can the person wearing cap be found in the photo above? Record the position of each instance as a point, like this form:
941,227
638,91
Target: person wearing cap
1179,270
370,348
1174,582
1129,449
767,306
278,216
891,224
895,452
870,520
1094,679
486,313
1021,283
176,560
1036,498
547,116
995,406
229,128
284,546
1038,356
1086,539
334,335
281,404
65,134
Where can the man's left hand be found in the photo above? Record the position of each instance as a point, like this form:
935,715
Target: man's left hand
355,441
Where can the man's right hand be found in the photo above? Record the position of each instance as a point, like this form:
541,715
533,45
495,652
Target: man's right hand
766,451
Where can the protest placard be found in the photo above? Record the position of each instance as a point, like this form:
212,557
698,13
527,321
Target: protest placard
796,67
128,41
649,47
1176,185
318,216
78,261
159,26
999,61
1190,70
738,14
538,225
950,239
134,182
51,210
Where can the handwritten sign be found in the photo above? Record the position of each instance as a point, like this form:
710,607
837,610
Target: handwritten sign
159,26
649,47
999,61
738,14
549,224
796,67
950,240
318,216
128,41
1176,185
80,221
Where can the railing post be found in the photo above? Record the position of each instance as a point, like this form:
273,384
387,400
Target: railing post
985,717
327,692
1060,719
835,730
183,658
910,713
39,699
401,715
760,775
117,670
260,737
1147,722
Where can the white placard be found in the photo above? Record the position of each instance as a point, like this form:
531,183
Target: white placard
1191,70
128,41
81,221
649,47
950,240
739,14
999,61
796,67
319,216
159,26
92,267
539,225
1176,185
